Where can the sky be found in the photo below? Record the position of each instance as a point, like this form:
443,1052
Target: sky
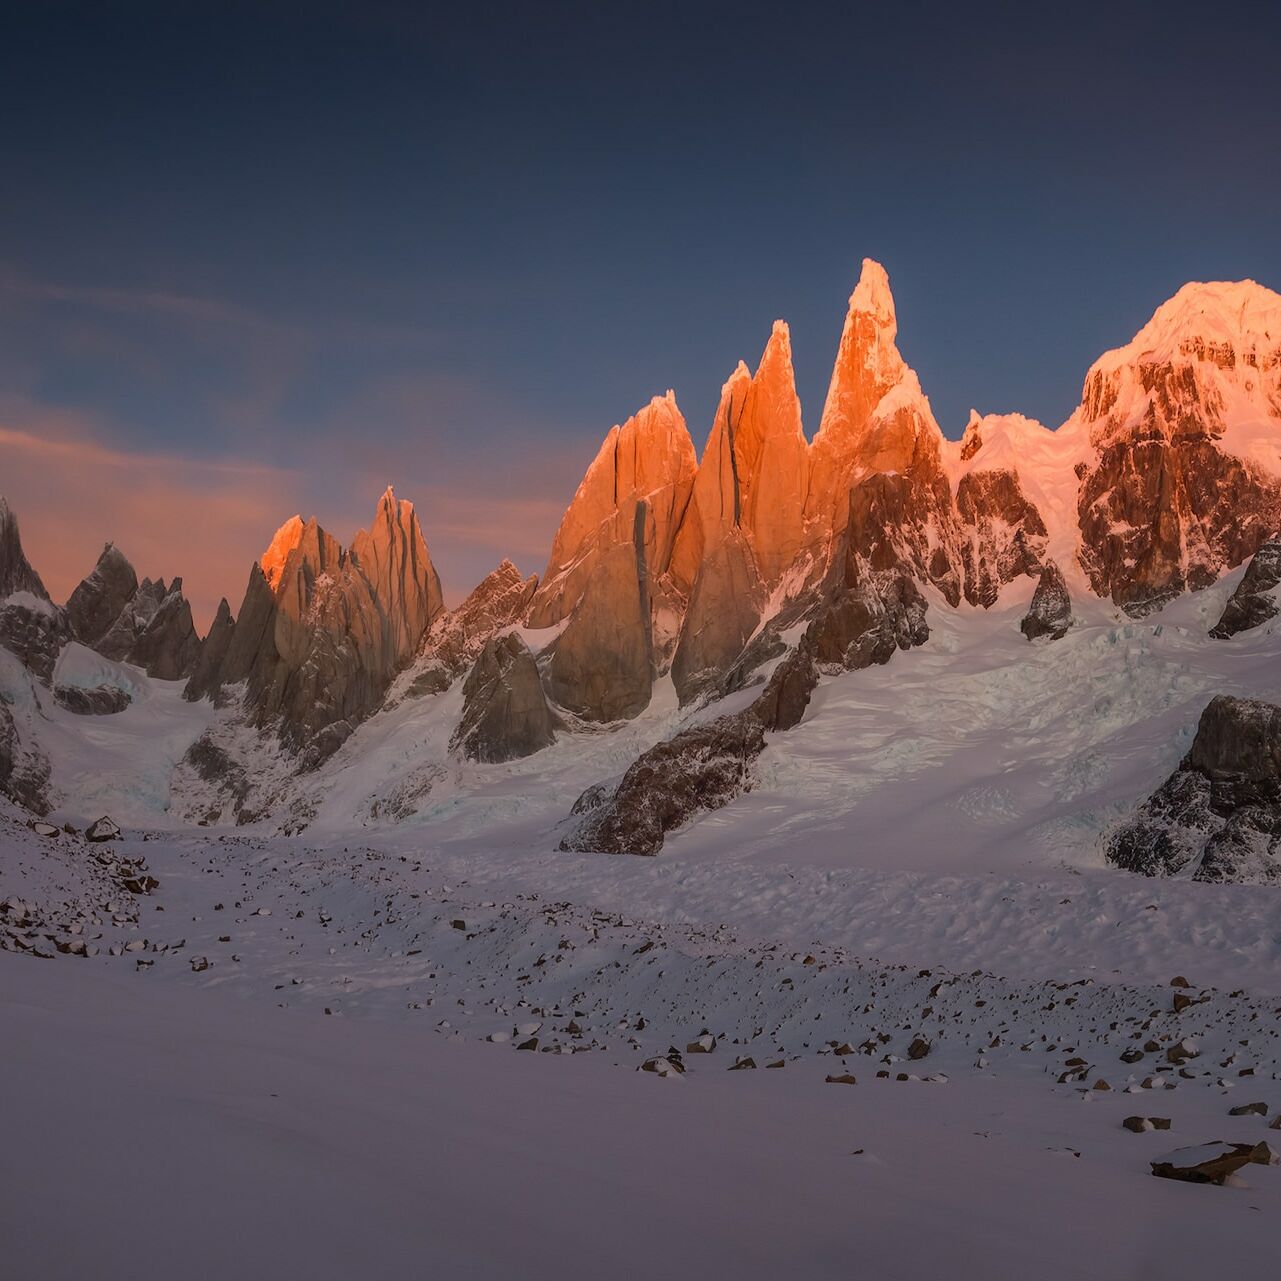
265,258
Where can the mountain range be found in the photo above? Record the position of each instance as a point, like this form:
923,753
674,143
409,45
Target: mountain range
722,587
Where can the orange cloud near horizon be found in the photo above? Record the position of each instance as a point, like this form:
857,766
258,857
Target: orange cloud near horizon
207,521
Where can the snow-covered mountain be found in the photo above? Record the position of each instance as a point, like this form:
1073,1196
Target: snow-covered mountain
710,628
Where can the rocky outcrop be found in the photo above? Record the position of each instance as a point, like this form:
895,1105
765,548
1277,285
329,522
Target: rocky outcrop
205,678
611,570
31,626
16,574
35,630
505,713
1178,489
1254,601
1050,612
455,639
318,641
701,768
167,646
723,613
101,597
879,474
602,664
1218,816
24,769
101,700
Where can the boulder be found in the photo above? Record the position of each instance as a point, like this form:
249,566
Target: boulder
1208,1162
1254,600
1050,613
505,713
102,829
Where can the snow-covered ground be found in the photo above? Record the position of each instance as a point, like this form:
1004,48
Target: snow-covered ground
298,1054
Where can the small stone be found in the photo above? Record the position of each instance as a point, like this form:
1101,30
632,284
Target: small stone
705,1044
199,964
531,1044
1249,1109
747,1063
1137,1124
844,1078
919,1048
1132,1055
458,924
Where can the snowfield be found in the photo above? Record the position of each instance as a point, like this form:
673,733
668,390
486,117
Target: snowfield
298,1053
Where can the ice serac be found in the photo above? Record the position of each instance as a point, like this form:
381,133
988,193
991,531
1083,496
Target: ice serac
318,642
881,470
1184,424
1218,816
505,713
101,597
611,570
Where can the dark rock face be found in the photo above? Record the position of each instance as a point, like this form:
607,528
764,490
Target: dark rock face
168,647
1219,813
30,626
1252,604
35,631
204,682
1162,516
101,598
1050,613
16,574
102,700
1006,533
24,772
505,714
868,621
701,768
215,765
455,639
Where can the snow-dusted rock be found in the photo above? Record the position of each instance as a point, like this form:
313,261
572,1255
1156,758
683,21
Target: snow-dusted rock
1254,600
1183,481
1050,613
102,829
505,713
1219,815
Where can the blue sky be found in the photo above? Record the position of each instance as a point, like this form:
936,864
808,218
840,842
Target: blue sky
275,256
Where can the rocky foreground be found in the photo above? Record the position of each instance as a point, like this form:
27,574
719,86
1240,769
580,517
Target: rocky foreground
351,1009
